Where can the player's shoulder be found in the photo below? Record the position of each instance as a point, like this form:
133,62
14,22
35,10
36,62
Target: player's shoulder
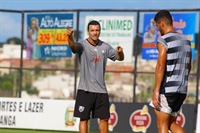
82,42
184,36
105,44
181,36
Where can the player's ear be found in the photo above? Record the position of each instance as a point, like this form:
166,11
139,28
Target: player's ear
162,24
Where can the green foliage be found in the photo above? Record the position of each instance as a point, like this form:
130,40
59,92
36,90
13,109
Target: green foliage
1,44
6,83
16,40
30,90
106,77
69,64
3,130
10,81
190,99
47,60
144,96
37,70
149,79
6,77
29,131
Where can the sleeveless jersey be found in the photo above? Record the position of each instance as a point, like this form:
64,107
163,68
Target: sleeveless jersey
177,64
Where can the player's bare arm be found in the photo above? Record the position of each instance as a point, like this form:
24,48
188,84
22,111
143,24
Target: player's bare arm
120,52
71,42
159,73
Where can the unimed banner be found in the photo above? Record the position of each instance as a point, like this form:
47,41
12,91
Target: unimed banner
38,114
115,30
47,35
140,118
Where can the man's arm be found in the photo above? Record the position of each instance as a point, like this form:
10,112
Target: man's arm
120,56
71,42
159,73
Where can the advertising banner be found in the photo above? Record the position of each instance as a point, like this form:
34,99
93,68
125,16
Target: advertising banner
183,23
46,35
198,120
140,117
38,114
116,31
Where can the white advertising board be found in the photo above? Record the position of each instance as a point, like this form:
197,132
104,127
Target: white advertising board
116,31
38,114
198,120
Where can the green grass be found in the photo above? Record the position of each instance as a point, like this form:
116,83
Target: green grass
29,131
5,130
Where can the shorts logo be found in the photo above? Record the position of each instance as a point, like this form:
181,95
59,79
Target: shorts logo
81,108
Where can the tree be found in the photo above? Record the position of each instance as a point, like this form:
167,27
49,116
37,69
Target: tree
14,40
30,90
1,44
37,70
6,85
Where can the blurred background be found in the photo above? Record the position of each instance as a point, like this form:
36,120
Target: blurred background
57,77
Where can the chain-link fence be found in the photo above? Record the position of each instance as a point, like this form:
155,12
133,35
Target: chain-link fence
57,78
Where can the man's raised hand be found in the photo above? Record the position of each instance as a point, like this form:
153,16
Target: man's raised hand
119,49
69,31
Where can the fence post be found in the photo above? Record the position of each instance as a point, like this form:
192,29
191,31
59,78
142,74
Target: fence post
21,59
76,57
136,55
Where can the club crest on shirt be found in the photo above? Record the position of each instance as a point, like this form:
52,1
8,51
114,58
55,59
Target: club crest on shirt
81,108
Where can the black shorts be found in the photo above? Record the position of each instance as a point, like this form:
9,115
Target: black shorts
175,100
171,103
89,104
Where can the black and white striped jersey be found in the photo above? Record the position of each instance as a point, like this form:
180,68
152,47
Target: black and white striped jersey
177,64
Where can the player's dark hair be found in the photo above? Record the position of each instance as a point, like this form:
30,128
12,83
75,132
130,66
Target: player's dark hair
165,16
93,22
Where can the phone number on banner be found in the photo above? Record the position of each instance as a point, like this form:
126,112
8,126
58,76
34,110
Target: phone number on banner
52,37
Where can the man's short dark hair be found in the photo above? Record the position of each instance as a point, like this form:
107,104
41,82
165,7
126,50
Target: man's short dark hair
165,16
93,22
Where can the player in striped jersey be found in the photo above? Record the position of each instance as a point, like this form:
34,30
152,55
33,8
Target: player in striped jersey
171,74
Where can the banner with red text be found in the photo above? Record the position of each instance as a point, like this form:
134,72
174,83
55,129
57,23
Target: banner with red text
140,118
46,35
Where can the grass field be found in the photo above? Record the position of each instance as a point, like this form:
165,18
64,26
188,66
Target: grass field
4,130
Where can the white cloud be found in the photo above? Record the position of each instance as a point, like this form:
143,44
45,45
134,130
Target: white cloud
10,26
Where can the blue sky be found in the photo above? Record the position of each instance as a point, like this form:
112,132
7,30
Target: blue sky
98,4
10,23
